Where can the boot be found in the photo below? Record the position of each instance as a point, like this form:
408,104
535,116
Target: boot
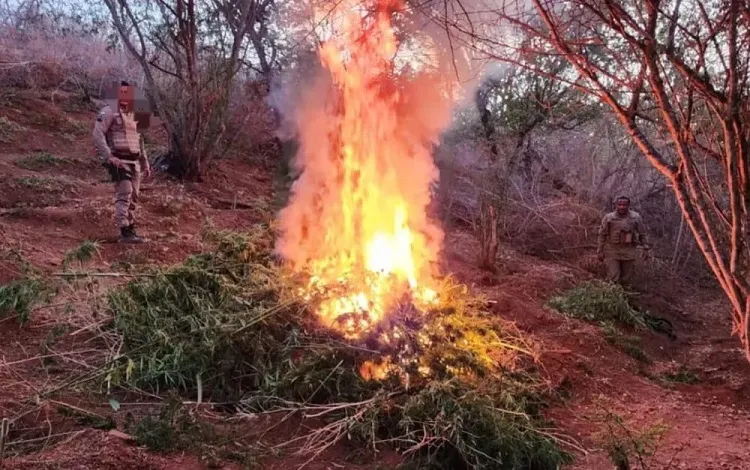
128,235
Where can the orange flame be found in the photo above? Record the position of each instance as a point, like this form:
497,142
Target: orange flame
357,217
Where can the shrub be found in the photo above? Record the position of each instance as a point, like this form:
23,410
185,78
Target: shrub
197,323
82,253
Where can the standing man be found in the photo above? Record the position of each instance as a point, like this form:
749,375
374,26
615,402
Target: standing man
620,234
121,150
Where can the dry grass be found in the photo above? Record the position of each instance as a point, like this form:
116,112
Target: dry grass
8,129
69,359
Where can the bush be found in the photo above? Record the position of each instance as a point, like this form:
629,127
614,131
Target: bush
47,56
626,446
449,393
607,304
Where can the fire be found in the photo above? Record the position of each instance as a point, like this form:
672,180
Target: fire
357,222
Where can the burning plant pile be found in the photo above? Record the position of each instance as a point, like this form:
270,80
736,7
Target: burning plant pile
356,228
444,387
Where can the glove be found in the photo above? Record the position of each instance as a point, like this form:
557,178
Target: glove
116,162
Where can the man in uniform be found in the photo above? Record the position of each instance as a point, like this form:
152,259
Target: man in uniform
121,150
620,233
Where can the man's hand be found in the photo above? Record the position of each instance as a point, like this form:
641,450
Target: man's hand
646,252
147,171
600,256
116,162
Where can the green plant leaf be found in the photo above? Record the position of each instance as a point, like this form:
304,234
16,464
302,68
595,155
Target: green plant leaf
114,404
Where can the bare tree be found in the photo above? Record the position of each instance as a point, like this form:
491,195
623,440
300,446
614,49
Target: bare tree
190,52
511,105
675,74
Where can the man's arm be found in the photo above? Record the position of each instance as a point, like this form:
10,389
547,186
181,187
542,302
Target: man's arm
101,126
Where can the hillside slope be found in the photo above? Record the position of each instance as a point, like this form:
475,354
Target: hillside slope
54,196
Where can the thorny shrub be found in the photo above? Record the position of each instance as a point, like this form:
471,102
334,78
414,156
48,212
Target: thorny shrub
53,57
43,60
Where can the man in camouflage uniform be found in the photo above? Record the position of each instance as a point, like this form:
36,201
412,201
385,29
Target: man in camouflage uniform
620,233
121,150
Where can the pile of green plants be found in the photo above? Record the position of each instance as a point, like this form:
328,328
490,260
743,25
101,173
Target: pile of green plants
600,302
609,306
458,389
18,297
215,320
21,295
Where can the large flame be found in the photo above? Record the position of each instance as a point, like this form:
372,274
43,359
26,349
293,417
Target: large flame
357,218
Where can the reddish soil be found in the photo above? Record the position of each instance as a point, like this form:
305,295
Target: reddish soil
48,211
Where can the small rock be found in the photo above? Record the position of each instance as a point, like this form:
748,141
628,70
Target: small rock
120,435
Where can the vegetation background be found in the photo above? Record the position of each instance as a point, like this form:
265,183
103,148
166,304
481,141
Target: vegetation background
191,347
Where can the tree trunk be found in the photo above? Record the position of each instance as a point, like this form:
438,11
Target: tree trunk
488,236
482,104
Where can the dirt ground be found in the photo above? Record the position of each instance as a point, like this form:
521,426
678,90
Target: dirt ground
51,209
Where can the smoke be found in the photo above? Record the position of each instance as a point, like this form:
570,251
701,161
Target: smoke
463,64
290,90
471,37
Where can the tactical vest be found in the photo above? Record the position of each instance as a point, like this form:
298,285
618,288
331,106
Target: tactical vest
122,135
623,230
